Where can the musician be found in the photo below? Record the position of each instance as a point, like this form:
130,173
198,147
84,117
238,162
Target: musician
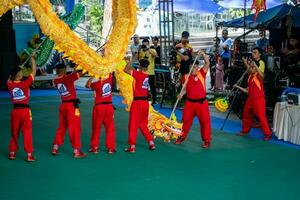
255,103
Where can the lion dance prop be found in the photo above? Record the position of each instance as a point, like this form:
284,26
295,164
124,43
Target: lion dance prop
125,21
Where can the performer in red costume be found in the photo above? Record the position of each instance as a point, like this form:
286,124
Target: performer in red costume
103,113
256,103
21,120
139,109
69,113
196,103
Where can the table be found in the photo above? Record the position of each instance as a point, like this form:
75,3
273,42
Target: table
286,122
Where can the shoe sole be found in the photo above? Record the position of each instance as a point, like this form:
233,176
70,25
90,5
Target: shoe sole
129,151
77,157
94,152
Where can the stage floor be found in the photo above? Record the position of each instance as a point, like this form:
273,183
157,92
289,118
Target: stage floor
233,168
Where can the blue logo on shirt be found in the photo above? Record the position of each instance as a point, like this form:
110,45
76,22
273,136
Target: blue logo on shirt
18,94
62,89
106,90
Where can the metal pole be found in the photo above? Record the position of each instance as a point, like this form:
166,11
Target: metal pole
245,5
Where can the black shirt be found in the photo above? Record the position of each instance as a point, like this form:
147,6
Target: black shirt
158,51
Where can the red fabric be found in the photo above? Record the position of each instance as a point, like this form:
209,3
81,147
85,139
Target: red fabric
103,114
140,84
21,121
20,90
255,106
103,90
66,87
255,86
69,118
138,119
195,88
201,110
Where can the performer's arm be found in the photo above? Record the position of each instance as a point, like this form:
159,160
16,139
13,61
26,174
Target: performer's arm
182,93
206,60
241,88
245,61
128,69
89,82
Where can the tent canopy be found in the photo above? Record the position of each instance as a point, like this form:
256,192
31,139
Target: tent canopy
203,6
265,18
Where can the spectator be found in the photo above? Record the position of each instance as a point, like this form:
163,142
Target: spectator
184,53
215,49
213,52
149,54
219,83
157,48
226,44
134,48
291,60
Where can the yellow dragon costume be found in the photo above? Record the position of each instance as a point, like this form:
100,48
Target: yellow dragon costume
125,21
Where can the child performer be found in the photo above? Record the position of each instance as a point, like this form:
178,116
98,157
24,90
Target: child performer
69,113
103,113
219,84
21,120
139,109
196,103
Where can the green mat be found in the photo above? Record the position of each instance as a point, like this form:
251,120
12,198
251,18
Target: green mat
234,167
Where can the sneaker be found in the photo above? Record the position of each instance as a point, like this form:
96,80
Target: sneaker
30,158
267,138
130,149
79,154
179,140
205,145
94,150
111,151
152,147
54,152
12,155
242,134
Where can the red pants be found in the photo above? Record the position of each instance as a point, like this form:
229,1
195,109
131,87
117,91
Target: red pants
138,118
255,106
103,114
69,117
20,120
201,110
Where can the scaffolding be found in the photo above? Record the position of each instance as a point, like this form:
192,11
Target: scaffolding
166,28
